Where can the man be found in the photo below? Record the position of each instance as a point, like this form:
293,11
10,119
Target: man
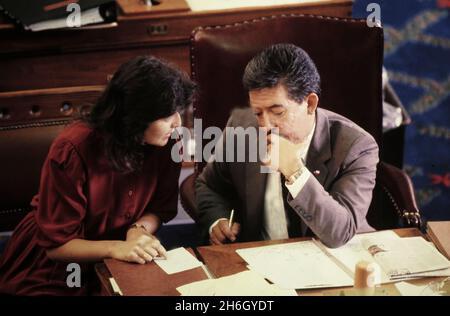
327,164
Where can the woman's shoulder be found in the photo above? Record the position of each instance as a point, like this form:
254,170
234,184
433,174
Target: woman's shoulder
77,132
77,136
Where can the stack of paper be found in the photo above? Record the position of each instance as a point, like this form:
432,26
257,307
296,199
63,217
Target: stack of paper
247,283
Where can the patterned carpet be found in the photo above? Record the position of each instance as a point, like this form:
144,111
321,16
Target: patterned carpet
417,57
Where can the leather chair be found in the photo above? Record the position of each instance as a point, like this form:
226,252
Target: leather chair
23,147
349,57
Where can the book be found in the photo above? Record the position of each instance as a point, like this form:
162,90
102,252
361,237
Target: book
28,13
439,233
310,264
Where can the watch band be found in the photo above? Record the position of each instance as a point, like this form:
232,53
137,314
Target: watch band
137,225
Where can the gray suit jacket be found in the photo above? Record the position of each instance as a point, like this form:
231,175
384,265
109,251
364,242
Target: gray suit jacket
334,201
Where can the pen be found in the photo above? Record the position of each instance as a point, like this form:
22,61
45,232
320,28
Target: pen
231,219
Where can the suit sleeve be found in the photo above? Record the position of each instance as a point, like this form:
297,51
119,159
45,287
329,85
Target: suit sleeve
336,216
214,190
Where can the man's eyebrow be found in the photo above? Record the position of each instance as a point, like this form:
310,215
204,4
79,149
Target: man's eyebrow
276,106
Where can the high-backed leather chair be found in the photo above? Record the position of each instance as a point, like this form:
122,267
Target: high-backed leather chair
23,148
349,57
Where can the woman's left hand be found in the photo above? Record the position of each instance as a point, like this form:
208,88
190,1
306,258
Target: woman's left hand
146,241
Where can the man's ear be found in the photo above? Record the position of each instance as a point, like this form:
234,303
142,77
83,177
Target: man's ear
312,100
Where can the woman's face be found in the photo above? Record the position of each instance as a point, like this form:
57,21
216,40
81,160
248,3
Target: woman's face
158,132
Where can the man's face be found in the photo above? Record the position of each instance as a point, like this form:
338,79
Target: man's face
273,108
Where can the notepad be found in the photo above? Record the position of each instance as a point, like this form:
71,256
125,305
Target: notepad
178,260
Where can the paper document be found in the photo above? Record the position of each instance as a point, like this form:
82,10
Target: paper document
354,251
178,260
298,265
90,16
407,289
409,256
399,258
246,283
310,264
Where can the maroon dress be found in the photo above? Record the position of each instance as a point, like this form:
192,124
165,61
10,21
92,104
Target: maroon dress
81,196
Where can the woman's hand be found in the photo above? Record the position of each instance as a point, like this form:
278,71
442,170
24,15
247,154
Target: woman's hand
139,247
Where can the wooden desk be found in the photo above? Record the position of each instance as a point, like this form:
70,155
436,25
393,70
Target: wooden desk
223,260
148,279
57,73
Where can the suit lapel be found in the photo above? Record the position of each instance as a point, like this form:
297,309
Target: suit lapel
320,149
255,191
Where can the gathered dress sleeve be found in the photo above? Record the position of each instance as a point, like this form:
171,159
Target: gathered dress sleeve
62,203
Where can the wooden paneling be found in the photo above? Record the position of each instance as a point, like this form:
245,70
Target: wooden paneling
83,59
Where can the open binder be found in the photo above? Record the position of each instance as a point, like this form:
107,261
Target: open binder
310,264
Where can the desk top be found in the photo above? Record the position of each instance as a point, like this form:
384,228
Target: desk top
221,261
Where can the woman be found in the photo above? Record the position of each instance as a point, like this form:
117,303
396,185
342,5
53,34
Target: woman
107,184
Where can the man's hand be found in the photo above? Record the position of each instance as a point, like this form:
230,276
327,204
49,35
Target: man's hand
283,155
222,232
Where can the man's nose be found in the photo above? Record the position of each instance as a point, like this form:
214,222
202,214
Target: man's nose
266,123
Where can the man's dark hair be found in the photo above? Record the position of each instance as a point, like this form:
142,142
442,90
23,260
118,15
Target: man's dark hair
284,64
141,91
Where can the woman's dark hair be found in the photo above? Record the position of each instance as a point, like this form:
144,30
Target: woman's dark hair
141,91
284,64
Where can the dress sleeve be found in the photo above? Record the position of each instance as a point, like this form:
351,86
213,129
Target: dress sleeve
164,204
62,203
